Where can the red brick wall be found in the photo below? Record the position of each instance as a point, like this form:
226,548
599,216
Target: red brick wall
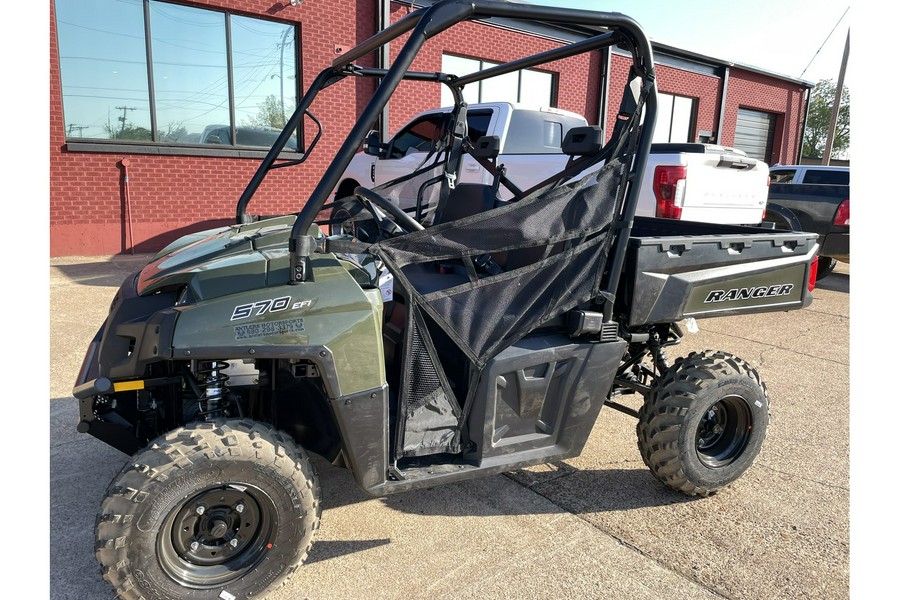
704,88
170,195
758,92
578,76
745,89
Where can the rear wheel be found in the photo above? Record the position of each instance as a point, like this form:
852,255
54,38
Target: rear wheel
703,422
215,510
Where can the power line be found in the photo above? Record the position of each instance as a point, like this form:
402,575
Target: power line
826,40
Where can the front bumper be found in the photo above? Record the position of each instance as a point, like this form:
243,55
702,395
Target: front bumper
137,332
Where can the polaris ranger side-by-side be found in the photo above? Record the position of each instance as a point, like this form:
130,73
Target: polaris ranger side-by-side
484,340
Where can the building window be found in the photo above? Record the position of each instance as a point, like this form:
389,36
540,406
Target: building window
151,71
529,86
675,119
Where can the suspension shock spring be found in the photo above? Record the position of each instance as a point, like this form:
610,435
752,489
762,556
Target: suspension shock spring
211,379
660,360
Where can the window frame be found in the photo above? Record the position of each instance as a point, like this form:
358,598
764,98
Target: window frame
437,118
155,145
782,175
669,119
442,118
554,78
826,177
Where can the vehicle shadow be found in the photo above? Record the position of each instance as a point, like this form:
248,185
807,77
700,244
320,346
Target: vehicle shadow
573,490
81,468
836,282
101,273
112,271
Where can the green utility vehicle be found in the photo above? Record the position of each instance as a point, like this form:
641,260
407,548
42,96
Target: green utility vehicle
486,340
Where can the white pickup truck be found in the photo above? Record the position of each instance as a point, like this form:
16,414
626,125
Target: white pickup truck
692,182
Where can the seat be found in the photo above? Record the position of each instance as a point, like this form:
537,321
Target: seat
465,200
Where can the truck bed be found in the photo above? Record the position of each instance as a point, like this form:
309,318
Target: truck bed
679,269
815,207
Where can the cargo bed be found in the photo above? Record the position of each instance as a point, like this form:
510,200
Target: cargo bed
678,269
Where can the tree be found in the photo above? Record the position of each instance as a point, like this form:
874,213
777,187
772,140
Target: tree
173,133
128,132
271,114
820,104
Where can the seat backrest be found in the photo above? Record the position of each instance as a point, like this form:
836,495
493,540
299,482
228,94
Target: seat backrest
465,200
580,141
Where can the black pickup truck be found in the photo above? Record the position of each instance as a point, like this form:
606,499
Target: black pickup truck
822,208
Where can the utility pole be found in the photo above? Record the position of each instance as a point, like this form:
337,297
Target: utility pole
836,107
124,110
73,127
284,38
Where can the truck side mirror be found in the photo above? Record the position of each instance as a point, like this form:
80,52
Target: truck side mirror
373,146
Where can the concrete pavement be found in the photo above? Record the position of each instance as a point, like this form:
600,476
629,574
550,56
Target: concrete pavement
597,526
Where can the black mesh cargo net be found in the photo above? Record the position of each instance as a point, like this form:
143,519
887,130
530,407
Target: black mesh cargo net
488,279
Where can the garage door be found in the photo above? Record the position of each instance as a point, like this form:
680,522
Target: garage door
754,134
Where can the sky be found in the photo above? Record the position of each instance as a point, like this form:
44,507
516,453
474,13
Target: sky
745,33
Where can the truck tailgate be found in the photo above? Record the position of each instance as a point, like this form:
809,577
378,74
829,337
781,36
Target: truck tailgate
723,186
679,269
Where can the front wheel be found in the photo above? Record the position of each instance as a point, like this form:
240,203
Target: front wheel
225,509
703,422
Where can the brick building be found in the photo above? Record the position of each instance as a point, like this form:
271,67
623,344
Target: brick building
145,96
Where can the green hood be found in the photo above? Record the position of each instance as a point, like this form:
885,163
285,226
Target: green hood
223,261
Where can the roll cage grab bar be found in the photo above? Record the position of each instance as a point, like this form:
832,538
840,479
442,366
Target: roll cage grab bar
425,23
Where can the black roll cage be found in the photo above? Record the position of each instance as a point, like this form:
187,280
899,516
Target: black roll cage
424,23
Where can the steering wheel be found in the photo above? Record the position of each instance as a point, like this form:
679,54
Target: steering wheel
396,222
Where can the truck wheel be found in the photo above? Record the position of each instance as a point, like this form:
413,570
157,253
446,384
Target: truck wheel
703,422
218,510
826,267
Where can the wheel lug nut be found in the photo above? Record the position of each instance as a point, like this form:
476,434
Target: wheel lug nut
233,543
201,510
239,508
194,546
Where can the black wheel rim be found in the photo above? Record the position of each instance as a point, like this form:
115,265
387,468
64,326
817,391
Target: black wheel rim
724,431
217,535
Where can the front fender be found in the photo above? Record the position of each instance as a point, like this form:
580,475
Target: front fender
330,321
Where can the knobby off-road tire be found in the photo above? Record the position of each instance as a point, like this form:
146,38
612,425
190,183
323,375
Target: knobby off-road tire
169,521
703,422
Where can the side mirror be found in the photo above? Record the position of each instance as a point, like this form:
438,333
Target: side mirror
373,146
